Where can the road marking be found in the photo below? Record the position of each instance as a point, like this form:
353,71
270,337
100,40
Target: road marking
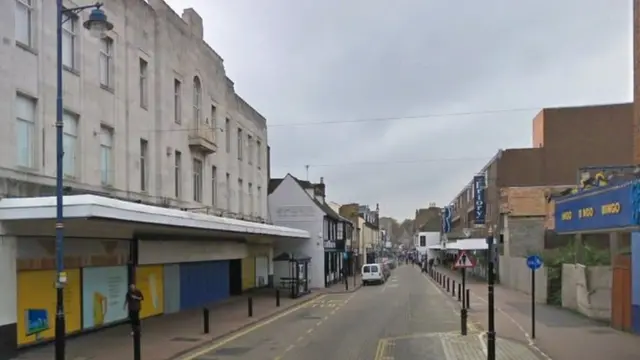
289,348
310,331
248,330
530,341
382,344
300,338
319,323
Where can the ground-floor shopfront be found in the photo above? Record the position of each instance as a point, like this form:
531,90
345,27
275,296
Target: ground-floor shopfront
615,211
178,260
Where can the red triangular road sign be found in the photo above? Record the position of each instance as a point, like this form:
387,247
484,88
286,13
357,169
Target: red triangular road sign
464,260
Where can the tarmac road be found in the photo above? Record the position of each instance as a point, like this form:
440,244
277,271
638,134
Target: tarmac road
407,318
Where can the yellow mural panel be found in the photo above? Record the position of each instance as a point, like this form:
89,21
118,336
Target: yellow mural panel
37,304
150,281
248,273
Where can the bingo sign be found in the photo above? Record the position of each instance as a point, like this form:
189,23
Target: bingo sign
479,204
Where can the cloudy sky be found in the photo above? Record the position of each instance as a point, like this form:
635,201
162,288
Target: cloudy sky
415,95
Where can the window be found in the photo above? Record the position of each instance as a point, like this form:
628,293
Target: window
240,197
144,84
214,186
177,101
106,62
25,130
228,190
177,174
340,230
144,165
213,121
240,144
69,37
259,212
227,132
251,203
325,229
423,241
106,155
197,180
259,153
24,22
197,101
250,149
70,143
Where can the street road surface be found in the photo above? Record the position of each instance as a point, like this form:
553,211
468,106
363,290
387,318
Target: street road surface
407,318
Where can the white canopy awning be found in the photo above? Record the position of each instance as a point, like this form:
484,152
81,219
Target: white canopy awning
92,206
469,244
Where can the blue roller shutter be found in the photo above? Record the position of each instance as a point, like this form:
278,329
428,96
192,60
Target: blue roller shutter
203,283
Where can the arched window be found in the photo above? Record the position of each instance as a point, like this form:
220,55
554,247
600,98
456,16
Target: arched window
197,100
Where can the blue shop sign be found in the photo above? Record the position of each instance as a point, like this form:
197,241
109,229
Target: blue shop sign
601,210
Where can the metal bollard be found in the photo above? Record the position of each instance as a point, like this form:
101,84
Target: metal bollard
459,292
467,298
453,288
463,321
277,297
448,285
137,348
250,306
205,319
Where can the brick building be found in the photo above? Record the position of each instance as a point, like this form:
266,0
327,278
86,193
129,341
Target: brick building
564,139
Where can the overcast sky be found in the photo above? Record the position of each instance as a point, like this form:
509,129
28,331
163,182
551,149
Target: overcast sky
309,61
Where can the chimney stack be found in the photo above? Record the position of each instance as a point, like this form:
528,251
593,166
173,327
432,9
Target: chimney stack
321,180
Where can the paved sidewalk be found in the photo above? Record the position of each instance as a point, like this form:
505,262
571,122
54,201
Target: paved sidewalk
340,287
560,334
167,336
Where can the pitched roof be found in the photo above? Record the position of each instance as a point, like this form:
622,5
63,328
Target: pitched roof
305,184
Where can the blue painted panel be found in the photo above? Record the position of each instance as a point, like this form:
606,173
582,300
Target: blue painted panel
203,283
603,209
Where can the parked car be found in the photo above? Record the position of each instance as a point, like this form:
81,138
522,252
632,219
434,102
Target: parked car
373,273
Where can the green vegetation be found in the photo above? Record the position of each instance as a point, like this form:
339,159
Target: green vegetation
554,258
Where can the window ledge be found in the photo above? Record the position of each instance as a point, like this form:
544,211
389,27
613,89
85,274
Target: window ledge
73,71
26,48
107,88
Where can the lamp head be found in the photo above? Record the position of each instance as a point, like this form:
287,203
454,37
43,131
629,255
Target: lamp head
98,25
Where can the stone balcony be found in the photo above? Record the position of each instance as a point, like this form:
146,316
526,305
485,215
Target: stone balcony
202,139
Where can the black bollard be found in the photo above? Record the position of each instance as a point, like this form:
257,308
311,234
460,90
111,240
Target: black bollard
463,321
205,319
277,297
467,298
453,288
346,284
459,292
448,285
137,348
250,306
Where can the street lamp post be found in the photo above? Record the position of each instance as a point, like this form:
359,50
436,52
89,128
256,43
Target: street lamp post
97,25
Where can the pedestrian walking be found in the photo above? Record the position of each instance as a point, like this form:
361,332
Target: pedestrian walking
133,302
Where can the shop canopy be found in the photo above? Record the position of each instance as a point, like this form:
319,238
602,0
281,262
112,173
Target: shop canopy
601,209
99,207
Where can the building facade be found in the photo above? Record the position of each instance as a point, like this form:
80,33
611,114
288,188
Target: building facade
149,112
565,140
158,148
301,204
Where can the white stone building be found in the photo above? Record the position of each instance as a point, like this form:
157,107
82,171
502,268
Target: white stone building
149,111
150,119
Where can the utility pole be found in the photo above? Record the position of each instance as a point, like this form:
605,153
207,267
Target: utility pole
307,169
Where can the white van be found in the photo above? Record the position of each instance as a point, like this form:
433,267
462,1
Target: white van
372,273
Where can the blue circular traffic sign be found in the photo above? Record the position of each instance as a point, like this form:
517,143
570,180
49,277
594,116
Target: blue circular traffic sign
534,262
